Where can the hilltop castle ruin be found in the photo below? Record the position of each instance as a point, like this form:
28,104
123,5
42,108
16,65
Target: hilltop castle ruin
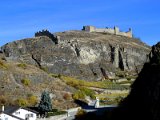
114,30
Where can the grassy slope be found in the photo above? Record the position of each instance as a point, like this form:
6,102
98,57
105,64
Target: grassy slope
20,81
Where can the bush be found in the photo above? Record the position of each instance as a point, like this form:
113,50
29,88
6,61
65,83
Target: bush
78,95
32,100
22,65
121,74
3,58
3,100
56,75
131,77
55,112
26,82
88,92
82,92
21,102
45,69
119,99
6,100
3,65
80,113
67,96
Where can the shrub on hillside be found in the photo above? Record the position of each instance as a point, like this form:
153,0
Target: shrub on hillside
22,65
78,95
54,112
3,100
26,82
45,69
32,100
67,96
55,75
88,92
21,102
3,65
80,113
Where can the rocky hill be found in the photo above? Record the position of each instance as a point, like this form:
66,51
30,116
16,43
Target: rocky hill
85,55
58,62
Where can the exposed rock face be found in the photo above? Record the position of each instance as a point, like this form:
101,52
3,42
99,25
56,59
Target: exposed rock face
82,54
143,102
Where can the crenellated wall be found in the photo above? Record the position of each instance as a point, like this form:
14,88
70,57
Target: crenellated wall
48,34
114,30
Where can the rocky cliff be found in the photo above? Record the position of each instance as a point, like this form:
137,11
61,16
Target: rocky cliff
90,56
143,102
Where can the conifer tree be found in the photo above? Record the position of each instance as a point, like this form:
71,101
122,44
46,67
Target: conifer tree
45,104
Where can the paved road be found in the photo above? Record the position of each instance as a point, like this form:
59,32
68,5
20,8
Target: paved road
89,108
71,114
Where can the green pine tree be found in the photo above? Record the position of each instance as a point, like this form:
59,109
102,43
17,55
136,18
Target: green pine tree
45,104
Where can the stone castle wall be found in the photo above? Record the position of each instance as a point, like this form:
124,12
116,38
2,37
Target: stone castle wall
104,30
114,30
48,34
44,33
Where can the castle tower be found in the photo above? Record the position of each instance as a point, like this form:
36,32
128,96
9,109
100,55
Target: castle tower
116,30
129,33
89,28
130,30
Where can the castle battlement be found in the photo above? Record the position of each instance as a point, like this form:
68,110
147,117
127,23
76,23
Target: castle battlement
48,34
44,33
114,30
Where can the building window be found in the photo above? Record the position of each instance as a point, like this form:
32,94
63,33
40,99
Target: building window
17,113
28,115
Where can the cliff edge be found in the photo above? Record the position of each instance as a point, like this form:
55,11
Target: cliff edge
85,55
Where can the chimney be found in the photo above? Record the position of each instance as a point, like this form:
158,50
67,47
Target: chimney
3,108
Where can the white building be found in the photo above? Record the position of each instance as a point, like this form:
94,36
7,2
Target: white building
17,113
4,116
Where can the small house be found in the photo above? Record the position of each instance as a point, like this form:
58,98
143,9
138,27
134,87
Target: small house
17,113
